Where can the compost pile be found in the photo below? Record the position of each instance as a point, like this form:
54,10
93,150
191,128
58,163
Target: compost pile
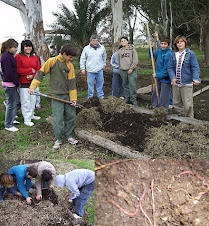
169,192
48,212
153,135
117,118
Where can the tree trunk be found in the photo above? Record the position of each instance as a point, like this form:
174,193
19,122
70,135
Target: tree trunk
164,15
206,44
171,23
117,22
31,14
110,145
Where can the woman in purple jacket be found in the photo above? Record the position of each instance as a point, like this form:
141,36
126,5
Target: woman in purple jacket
10,82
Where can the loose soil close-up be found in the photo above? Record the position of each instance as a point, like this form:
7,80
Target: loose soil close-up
152,192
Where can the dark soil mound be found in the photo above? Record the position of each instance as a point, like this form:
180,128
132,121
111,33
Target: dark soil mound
50,195
130,127
112,115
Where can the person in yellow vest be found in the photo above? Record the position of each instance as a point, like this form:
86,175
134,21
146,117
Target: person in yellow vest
63,86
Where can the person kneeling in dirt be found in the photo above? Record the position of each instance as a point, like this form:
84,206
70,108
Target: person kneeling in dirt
7,184
63,86
45,174
80,183
22,174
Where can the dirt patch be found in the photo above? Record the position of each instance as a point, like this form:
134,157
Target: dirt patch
180,189
152,135
115,117
15,211
180,141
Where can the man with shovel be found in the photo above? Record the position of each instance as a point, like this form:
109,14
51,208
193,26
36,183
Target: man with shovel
63,86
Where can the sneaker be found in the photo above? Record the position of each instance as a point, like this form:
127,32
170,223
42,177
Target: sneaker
57,144
122,98
29,123
76,216
72,140
16,122
5,103
35,117
38,106
12,129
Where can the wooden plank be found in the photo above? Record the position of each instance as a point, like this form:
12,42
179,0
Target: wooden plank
146,89
110,145
187,120
201,91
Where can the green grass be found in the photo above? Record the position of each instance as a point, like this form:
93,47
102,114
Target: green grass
83,164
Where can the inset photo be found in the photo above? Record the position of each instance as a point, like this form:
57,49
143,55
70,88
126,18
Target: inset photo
152,192
48,193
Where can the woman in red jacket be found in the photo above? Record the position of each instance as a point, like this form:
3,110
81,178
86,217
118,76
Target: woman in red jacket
27,66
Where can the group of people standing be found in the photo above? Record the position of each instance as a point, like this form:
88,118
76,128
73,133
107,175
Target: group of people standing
179,69
24,73
124,62
17,74
17,181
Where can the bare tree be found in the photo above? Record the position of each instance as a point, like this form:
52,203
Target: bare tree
31,14
117,22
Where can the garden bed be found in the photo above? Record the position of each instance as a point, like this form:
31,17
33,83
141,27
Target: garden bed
151,135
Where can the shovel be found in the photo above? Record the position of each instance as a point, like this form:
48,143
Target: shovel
58,99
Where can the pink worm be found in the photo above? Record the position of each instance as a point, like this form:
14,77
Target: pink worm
123,210
137,208
196,175
140,204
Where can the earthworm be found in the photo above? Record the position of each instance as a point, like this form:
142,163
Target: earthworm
137,208
123,210
140,204
196,175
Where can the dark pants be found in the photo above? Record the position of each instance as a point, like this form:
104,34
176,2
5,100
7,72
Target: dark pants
117,85
164,95
64,116
81,200
130,86
12,97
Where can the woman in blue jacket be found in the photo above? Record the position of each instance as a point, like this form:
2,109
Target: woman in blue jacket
162,56
183,69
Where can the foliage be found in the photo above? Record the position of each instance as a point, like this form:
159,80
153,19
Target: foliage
78,26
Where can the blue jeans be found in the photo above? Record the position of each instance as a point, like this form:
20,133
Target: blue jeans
117,85
91,77
12,190
81,200
2,190
12,97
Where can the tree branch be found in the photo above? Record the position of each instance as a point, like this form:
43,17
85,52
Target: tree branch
185,23
18,4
